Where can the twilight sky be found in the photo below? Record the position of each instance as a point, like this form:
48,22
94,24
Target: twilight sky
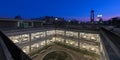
79,9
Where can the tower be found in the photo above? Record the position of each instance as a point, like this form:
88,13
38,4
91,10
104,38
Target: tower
92,16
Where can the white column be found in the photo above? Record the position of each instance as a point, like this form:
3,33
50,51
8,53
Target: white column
46,36
30,42
78,40
64,36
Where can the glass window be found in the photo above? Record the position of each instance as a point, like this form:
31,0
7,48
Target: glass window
25,38
34,46
26,49
16,39
51,32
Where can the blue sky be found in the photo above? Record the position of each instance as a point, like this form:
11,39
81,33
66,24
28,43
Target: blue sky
79,9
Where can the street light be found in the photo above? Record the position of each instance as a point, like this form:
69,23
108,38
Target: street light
56,18
55,27
56,22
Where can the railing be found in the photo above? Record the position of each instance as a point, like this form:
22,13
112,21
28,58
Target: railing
10,50
111,44
104,51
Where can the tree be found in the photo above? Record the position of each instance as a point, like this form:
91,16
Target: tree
18,17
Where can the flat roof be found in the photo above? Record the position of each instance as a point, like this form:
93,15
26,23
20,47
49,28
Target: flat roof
12,19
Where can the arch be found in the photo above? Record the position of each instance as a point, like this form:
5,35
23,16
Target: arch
58,50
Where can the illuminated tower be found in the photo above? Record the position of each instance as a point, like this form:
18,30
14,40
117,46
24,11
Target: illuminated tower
92,16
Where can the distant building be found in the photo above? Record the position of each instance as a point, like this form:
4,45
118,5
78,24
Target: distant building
92,16
18,23
99,18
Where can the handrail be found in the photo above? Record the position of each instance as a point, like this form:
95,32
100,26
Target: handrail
105,53
113,43
6,52
15,52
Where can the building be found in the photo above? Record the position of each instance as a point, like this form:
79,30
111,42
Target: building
92,16
85,38
99,18
18,23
